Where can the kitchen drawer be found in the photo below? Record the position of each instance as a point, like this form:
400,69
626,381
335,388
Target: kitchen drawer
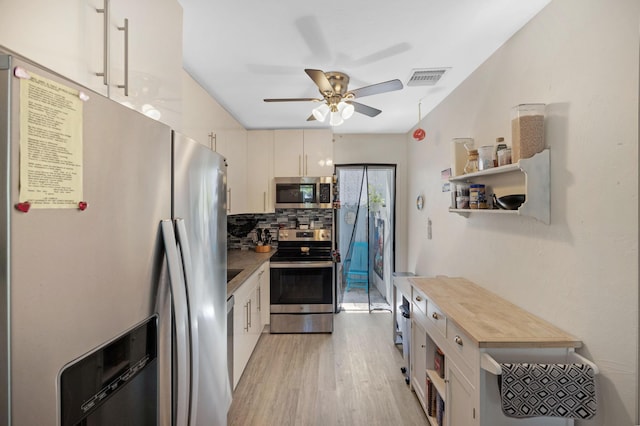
419,300
462,350
435,315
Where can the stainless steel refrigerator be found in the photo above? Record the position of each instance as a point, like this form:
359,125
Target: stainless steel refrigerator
112,311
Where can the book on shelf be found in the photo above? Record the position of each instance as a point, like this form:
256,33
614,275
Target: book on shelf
439,410
438,362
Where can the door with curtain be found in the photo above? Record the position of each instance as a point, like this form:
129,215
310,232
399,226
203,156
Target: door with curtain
365,229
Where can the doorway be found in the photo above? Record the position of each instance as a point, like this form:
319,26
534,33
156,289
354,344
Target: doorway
365,236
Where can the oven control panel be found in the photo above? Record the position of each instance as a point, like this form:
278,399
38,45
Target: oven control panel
304,235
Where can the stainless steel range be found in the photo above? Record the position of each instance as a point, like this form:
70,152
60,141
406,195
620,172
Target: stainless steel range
302,282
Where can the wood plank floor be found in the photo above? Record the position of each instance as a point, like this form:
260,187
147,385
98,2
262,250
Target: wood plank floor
350,377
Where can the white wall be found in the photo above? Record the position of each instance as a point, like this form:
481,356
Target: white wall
380,149
580,57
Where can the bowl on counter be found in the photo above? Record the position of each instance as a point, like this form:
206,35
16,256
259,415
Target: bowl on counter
510,202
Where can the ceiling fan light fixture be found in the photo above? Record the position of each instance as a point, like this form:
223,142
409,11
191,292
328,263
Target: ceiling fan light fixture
320,113
335,119
346,110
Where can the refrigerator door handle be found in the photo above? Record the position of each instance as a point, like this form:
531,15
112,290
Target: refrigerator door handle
183,242
181,313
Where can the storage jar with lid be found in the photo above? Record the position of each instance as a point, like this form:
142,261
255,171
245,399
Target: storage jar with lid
472,162
477,196
527,130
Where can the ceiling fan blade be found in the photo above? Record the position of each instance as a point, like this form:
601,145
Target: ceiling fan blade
311,32
320,79
292,100
374,89
365,109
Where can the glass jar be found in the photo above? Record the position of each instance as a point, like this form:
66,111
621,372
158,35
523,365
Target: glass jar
485,157
472,161
462,196
504,157
527,130
477,196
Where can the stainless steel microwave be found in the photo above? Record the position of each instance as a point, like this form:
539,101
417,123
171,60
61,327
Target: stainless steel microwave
303,192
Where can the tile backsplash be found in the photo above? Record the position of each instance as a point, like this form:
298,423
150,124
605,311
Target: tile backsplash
241,228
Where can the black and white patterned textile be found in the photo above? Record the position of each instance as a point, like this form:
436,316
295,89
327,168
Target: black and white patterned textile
550,390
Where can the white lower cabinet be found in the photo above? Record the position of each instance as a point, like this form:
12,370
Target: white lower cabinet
418,359
247,323
264,286
460,408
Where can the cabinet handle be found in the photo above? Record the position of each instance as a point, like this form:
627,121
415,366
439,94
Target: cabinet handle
125,86
259,297
306,165
246,316
264,201
105,42
418,299
458,340
423,346
299,165
213,142
435,316
229,200
249,313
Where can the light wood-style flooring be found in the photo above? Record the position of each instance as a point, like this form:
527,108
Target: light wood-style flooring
350,377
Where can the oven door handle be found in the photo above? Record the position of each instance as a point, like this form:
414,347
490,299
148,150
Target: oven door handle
291,265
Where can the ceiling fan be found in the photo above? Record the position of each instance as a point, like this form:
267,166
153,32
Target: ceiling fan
337,101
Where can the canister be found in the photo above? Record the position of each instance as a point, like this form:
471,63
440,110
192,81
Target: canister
462,195
527,130
477,196
504,157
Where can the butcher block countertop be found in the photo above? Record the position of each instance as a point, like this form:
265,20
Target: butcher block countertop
489,320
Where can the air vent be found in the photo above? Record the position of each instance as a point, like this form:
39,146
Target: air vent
425,76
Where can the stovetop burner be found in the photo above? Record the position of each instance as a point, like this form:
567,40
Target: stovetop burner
303,245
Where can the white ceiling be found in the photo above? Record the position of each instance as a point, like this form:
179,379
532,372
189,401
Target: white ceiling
245,50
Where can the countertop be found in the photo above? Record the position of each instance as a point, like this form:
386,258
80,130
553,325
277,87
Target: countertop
489,320
247,260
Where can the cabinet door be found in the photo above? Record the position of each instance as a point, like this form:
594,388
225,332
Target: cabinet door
288,153
460,410
153,60
264,283
260,171
318,152
418,359
55,34
241,342
232,144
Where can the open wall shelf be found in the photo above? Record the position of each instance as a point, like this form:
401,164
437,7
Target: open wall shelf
536,187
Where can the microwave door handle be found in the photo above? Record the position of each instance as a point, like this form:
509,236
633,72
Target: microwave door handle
181,315
183,242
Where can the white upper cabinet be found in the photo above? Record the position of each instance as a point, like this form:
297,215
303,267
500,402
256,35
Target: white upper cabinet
80,39
288,146
260,171
232,144
303,153
51,33
318,152
145,57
